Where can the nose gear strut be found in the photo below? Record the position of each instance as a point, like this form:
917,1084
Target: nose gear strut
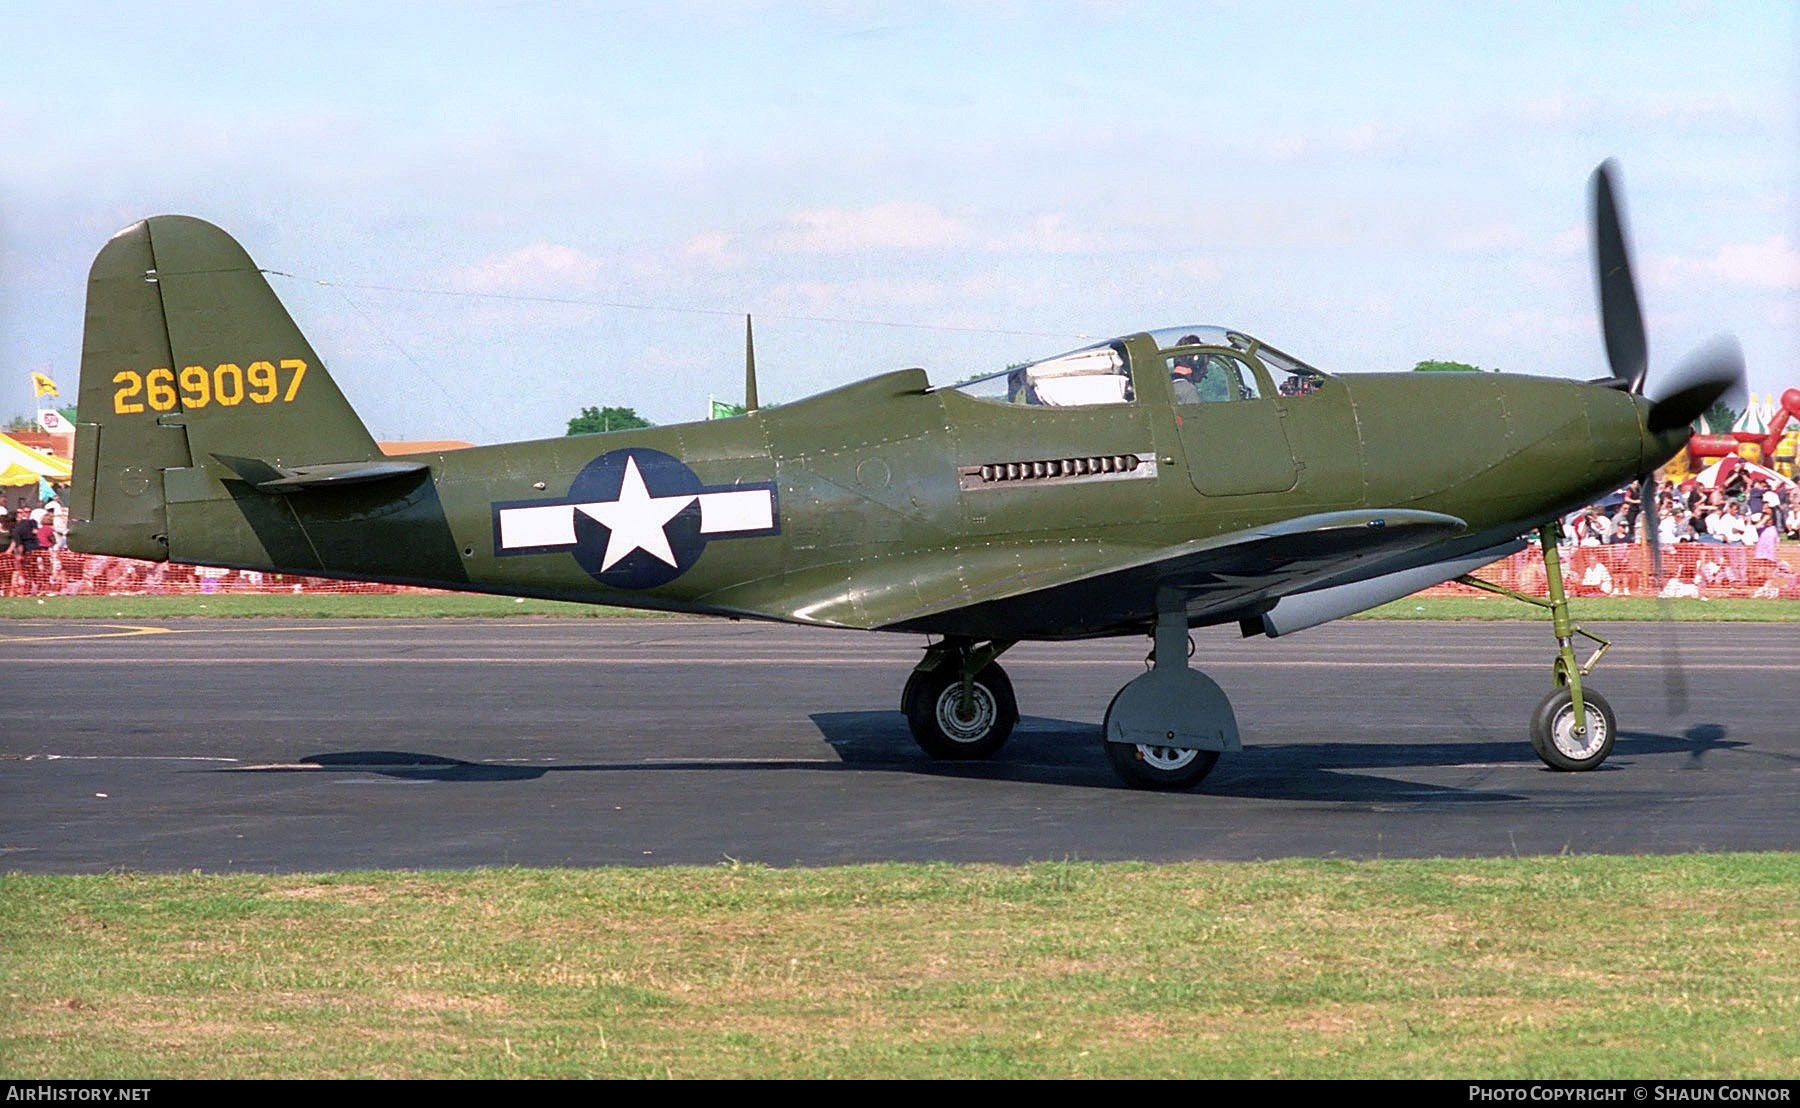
1573,727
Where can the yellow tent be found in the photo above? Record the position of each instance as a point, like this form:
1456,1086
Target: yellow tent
21,465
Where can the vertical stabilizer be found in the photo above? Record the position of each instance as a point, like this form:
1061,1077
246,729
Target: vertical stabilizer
188,358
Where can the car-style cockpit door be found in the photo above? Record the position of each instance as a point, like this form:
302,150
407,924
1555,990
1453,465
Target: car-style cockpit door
1230,422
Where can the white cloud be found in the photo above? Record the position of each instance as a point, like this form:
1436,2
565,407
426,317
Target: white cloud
1572,240
1772,264
1285,148
1493,236
1360,139
542,269
712,248
900,225
855,296
1201,269
1050,234
1377,304
1325,145
1556,109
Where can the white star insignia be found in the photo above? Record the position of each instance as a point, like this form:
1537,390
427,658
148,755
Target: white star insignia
636,519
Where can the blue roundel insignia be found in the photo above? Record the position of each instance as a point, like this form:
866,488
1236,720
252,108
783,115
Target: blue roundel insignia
635,518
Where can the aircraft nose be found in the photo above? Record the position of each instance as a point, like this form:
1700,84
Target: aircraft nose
1625,447
1617,433
1625,423
1571,443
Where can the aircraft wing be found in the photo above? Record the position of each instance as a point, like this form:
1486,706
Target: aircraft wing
1073,588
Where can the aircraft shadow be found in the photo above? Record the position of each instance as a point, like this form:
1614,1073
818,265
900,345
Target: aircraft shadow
1067,753
401,764
408,766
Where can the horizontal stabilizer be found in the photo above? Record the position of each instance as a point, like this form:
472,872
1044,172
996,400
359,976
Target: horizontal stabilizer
285,479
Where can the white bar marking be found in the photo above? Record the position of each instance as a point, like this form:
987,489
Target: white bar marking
747,510
553,525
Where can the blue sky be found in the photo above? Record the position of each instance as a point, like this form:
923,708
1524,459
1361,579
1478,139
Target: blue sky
495,214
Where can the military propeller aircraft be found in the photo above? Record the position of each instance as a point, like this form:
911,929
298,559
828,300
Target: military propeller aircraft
1144,485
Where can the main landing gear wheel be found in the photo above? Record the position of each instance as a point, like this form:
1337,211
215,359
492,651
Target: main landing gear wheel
1149,766
1169,768
944,727
1553,733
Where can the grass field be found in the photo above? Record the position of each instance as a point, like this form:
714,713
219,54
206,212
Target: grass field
1672,967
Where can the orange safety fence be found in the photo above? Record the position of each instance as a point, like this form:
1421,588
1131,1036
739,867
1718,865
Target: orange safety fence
1623,569
66,573
1689,569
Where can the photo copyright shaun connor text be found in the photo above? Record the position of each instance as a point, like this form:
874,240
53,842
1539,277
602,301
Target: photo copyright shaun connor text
1648,1092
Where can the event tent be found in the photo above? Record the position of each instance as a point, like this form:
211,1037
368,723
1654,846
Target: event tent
21,465
1713,474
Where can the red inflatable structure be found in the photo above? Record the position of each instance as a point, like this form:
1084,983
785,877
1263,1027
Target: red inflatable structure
1718,446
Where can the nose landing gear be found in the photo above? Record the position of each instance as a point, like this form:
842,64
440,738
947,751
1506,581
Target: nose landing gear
1573,728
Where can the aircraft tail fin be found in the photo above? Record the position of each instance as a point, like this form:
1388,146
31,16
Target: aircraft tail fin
187,359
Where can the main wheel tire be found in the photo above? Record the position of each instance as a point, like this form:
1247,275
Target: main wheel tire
933,705
1150,766
1553,731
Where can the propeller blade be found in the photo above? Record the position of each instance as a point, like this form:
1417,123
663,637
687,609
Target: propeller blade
1714,370
1652,523
1676,398
1621,320
1675,692
1675,696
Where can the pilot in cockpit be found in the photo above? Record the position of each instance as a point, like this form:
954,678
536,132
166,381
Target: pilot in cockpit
1198,378
1182,371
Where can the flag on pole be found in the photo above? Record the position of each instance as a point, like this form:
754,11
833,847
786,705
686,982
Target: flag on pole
722,410
43,386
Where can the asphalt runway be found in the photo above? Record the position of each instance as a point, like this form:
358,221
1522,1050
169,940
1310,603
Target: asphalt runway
273,746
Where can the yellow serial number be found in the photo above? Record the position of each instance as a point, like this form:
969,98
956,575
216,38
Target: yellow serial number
196,386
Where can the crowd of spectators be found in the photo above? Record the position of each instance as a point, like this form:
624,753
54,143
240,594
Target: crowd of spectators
30,537
1746,508
1724,536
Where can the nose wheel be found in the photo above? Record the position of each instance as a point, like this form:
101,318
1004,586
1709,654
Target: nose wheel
1564,746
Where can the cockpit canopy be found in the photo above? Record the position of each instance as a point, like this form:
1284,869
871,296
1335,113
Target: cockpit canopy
1205,365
